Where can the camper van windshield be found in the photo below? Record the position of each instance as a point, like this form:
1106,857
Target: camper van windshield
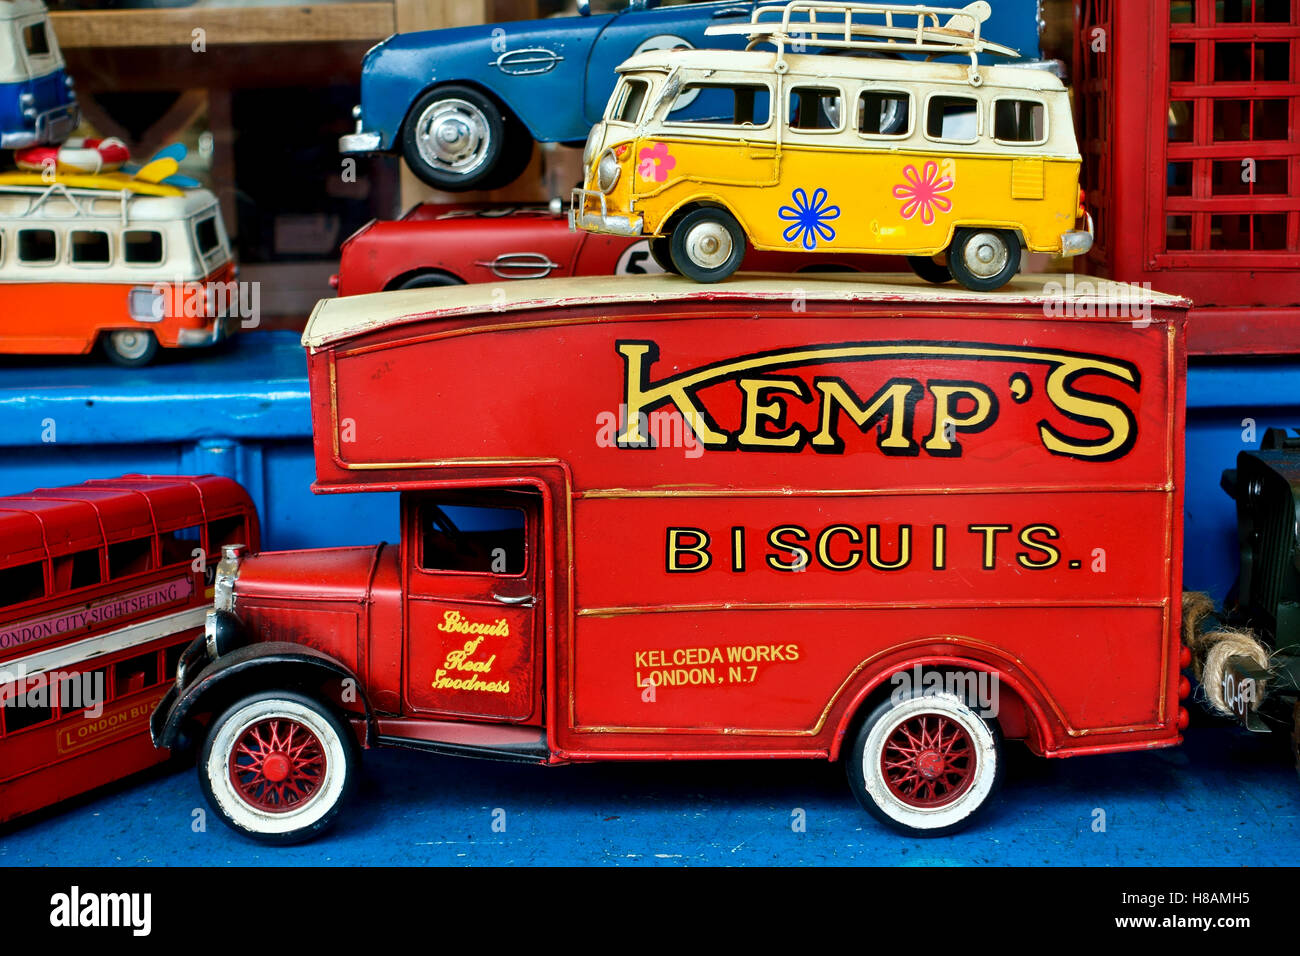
205,231
35,40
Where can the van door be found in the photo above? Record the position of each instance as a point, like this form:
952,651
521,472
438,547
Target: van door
473,573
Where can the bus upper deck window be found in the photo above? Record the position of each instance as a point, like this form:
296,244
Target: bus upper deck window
884,113
130,557
1019,121
142,247
38,246
35,40
90,247
22,583
222,531
952,118
77,570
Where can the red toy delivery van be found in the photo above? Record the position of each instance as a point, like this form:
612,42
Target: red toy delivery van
870,521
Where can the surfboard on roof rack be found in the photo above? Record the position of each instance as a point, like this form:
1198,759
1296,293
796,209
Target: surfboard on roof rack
866,27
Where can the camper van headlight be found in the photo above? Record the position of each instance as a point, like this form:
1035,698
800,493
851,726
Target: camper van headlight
607,171
593,140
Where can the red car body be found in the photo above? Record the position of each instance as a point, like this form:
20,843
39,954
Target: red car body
726,522
453,244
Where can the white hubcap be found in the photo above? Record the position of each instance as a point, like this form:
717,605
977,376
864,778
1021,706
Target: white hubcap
986,255
130,345
453,136
709,245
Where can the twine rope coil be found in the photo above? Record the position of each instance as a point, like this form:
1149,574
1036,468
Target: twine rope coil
1211,648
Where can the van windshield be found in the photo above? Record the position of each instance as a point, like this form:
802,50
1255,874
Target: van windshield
35,40
208,235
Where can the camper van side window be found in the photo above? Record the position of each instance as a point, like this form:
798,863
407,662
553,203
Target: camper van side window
1019,121
142,247
205,230
722,104
90,247
953,119
815,108
884,113
38,246
35,41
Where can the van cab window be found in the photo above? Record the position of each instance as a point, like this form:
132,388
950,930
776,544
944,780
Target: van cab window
723,104
37,245
206,233
884,113
815,108
477,539
629,108
954,119
1019,121
35,41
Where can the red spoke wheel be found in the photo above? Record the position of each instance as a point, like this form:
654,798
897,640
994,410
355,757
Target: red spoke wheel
277,766
925,763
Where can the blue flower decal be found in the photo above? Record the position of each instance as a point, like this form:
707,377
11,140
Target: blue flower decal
808,219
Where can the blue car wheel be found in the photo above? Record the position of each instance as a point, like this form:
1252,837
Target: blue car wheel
454,138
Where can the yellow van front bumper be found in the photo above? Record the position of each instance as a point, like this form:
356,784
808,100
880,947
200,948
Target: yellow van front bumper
603,221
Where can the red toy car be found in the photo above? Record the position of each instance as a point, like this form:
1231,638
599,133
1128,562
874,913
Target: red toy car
435,245
649,520
102,585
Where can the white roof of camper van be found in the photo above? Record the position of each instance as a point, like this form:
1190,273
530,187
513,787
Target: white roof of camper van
334,320
13,9
827,66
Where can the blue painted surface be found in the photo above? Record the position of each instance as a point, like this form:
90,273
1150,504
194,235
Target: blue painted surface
1225,798
241,410
561,104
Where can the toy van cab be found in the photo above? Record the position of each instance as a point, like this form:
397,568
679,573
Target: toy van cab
108,260
839,153
37,104
647,519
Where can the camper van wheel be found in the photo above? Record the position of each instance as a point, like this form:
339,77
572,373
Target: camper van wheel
930,270
130,347
277,766
925,763
453,138
662,253
707,244
984,259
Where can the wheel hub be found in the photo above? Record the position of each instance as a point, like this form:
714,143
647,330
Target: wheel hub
277,765
453,135
930,764
130,344
709,245
928,761
986,255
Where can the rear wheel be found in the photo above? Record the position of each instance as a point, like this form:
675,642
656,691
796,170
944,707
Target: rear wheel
278,766
984,259
427,280
925,765
130,348
930,270
707,244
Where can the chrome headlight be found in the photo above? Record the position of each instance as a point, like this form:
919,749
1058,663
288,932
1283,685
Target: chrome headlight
593,140
220,633
607,171
227,574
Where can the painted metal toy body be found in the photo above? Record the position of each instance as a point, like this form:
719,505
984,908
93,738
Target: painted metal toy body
130,265
831,153
638,524
101,586
464,105
453,244
37,104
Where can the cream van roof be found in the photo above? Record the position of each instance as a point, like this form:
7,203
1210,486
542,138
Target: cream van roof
335,320
839,67
13,9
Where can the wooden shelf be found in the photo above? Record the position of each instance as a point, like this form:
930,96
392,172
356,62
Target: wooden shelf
325,23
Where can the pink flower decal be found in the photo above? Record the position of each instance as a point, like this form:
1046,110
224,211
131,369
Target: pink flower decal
921,192
655,162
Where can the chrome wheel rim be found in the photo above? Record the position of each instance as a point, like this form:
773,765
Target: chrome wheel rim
709,245
453,135
985,255
130,344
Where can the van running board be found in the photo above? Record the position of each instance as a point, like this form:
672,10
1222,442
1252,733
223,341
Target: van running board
522,752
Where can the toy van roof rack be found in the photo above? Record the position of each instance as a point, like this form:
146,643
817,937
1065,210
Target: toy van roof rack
891,27
89,203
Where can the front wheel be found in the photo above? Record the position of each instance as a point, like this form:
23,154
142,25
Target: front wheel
984,259
926,764
278,766
453,139
130,348
707,244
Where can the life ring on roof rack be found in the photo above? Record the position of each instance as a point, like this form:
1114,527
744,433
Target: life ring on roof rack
75,156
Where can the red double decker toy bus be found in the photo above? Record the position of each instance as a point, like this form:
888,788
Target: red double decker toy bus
102,585
869,521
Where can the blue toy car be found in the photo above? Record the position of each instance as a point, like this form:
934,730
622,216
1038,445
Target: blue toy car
37,105
464,105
